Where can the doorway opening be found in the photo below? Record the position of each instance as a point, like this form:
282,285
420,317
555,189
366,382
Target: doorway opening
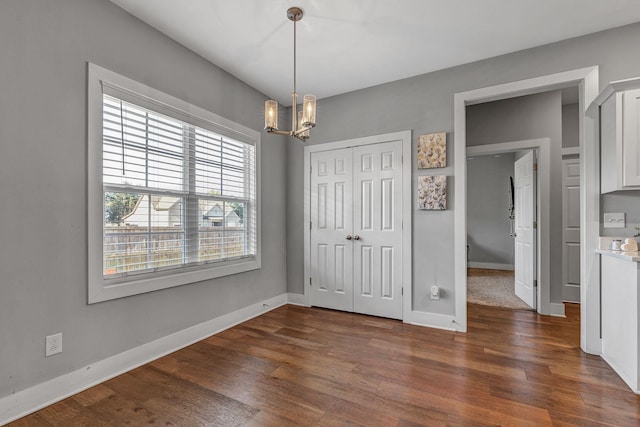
586,79
519,209
502,230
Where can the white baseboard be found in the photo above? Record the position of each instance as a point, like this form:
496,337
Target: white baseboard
431,320
297,299
418,318
556,309
618,371
571,293
490,265
44,394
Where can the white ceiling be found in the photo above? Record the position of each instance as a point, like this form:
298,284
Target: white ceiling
345,45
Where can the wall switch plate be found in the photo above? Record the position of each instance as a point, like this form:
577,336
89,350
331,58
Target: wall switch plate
53,344
435,292
614,220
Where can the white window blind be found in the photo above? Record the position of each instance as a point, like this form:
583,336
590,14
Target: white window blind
175,194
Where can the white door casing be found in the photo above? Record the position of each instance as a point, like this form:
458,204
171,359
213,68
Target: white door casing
331,225
377,225
525,232
587,81
571,230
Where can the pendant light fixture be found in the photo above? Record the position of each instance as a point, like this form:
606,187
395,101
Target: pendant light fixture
301,121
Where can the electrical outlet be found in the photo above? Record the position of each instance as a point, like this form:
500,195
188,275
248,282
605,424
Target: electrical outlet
53,344
435,292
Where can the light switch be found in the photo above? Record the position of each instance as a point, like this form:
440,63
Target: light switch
614,220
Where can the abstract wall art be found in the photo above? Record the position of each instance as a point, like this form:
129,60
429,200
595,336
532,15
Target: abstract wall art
432,150
432,192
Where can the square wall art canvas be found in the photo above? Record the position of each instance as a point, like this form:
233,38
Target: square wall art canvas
432,192
432,150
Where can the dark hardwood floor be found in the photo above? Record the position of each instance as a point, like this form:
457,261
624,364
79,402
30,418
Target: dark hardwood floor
297,366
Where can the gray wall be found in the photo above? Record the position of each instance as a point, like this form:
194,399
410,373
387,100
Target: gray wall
425,104
516,119
521,118
570,126
45,47
488,198
621,201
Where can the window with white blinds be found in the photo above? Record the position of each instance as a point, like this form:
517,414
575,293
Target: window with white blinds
178,191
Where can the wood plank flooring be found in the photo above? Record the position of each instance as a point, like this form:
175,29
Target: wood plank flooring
297,366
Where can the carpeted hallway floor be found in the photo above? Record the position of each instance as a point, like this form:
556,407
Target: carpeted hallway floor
494,288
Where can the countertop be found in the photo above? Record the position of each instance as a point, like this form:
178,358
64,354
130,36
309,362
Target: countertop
628,256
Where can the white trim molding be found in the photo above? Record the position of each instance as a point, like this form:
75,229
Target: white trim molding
17,405
431,320
407,210
297,299
556,309
587,81
490,266
571,151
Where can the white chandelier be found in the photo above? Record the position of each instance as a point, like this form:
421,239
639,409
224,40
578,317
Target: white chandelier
301,121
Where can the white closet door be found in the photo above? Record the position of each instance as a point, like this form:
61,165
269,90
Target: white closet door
525,240
377,229
331,222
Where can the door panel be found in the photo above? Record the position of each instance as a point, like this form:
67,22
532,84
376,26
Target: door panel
378,225
571,230
525,233
331,218
631,133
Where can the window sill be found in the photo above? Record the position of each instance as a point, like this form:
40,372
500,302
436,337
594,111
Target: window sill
101,290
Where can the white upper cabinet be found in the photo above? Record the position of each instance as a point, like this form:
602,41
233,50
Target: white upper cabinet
620,136
631,138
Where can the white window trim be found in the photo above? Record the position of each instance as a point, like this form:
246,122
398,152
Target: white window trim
99,288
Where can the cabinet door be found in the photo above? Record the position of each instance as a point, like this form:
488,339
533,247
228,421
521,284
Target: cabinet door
611,144
631,138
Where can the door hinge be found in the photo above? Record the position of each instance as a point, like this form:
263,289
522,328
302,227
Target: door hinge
401,291
535,283
535,166
535,224
310,225
310,281
310,169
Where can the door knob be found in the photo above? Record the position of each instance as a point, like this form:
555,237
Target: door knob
349,237
356,237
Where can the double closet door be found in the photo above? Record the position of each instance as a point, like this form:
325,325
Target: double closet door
356,229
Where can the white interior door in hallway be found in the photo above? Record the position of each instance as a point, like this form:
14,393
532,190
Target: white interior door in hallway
571,230
525,229
356,229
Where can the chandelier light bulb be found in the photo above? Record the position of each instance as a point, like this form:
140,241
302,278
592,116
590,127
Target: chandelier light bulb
270,115
309,108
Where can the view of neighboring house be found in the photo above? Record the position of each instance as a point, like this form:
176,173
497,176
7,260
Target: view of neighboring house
213,215
166,211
